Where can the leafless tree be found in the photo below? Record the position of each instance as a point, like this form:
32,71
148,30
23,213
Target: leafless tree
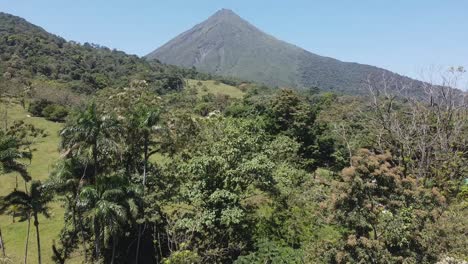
428,130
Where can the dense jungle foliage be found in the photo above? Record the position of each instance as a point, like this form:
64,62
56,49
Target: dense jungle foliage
269,178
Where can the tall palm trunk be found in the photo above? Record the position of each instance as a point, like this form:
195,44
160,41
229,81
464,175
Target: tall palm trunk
95,160
83,239
97,229
79,229
27,241
36,224
5,117
97,238
145,161
78,214
114,244
138,244
2,245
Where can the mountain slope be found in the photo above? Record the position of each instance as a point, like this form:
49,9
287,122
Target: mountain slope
225,44
28,52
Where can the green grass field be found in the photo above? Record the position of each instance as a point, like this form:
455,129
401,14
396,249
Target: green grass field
215,88
45,153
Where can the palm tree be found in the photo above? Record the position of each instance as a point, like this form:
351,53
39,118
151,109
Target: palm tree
90,134
65,182
10,153
147,121
143,122
32,204
108,206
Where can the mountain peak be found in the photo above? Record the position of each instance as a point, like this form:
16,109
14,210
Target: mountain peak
225,12
226,44
225,15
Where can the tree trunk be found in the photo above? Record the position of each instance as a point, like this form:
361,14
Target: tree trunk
97,239
145,164
2,245
83,241
95,159
81,231
79,215
138,244
27,241
5,117
36,224
114,242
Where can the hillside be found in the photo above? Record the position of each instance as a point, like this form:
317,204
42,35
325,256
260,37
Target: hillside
226,44
28,52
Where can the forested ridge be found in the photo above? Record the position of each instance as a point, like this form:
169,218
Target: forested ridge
29,52
156,168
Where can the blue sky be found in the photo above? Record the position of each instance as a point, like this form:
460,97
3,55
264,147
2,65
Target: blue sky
405,36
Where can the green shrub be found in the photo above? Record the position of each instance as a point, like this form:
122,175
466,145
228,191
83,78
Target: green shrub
55,112
36,107
272,252
183,257
204,108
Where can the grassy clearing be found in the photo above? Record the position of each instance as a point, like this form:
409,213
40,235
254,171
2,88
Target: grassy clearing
45,154
215,88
